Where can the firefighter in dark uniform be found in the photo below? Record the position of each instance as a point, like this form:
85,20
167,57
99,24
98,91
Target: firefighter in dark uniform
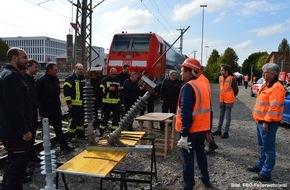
96,80
110,87
122,76
15,118
73,95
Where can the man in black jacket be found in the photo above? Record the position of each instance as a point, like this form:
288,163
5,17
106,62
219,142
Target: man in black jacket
47,93
131,92
169,93
33,68
15,118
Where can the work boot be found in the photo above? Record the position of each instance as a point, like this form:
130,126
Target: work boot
225,136
67,148
254,169
211,148
102,131
70,135
26,179
80,134
217,133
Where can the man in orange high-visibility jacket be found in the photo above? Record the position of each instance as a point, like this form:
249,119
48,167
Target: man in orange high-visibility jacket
228,92
209,137
267,113
193,122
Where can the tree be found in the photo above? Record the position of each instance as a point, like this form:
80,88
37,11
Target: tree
3,49
284,46
230,58
254,62
213,67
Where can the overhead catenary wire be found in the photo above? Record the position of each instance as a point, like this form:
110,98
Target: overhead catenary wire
153,15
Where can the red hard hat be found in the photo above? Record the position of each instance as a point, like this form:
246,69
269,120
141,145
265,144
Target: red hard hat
192,64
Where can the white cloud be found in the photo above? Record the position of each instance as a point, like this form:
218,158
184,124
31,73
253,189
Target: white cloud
268,31
243,45
220,17
184,11
128,20
256,7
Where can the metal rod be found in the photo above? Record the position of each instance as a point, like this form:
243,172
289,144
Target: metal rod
170,46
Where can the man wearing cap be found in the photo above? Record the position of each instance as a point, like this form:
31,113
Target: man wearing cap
193,122
15,118
169,93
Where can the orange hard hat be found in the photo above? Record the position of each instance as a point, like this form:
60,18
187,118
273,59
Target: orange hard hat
192,63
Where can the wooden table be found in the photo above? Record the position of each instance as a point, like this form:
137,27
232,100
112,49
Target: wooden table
156,117
99,163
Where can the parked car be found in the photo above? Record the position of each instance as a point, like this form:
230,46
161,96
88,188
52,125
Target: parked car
256,86
286,112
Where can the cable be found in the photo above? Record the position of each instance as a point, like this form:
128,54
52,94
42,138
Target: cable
154,15
172,11
48,9
160,13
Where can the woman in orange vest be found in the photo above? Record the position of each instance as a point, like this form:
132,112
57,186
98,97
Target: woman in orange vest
193,122
228,92
246,80
267,113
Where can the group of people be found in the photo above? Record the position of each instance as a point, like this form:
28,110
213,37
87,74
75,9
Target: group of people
21,96
193,118
190,98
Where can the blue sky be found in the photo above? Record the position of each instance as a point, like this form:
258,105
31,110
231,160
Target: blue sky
246,26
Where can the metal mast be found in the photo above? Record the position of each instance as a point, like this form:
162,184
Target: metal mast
181,40
82,54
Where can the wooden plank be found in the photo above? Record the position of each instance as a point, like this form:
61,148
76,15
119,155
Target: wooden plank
97,163
156,116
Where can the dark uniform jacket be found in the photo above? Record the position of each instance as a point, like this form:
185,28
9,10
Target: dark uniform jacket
131,92
96,83
169,91
15,104
47,93
30,81
73,89
122,77
108,95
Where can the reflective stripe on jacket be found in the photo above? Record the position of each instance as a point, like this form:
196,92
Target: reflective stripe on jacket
110,97
269,104
227,94
73,90
200,111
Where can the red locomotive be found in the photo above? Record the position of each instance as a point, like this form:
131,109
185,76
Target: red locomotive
141,52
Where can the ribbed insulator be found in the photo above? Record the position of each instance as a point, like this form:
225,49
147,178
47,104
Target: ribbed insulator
89,108
128,118
48,157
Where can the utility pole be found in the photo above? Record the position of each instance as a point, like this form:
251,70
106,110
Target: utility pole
83,37
181,40
194,53
202,26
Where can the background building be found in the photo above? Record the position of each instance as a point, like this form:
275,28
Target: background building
42,48
45,49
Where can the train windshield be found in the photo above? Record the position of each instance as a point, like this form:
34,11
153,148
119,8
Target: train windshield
134,43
